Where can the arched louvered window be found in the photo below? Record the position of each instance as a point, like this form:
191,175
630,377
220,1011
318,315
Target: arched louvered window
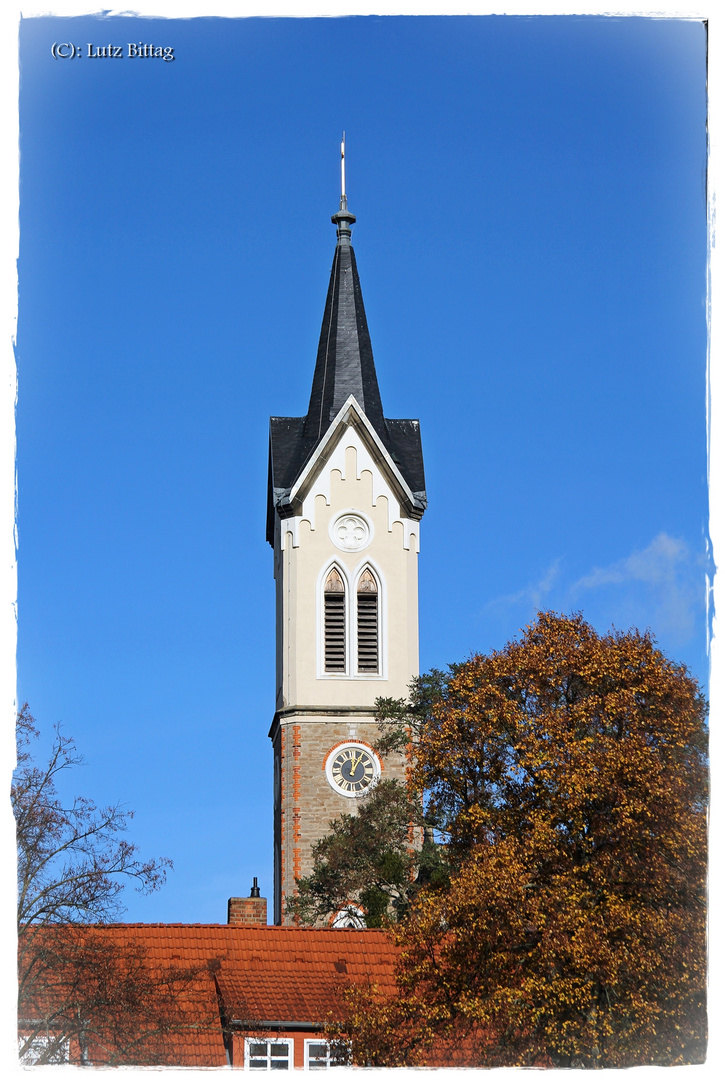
367,623
334,622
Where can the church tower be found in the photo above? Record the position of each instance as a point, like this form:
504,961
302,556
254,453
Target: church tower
346,495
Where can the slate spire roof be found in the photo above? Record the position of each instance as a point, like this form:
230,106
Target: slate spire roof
345,362
344,367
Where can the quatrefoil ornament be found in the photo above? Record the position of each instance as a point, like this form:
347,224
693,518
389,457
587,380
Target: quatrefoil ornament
350,532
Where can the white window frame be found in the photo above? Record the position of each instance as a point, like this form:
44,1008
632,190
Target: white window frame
351,580
290,1043
328,1064
40,1044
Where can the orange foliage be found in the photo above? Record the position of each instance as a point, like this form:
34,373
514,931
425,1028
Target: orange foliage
569,773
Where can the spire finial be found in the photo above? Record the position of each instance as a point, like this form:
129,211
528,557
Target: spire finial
343,218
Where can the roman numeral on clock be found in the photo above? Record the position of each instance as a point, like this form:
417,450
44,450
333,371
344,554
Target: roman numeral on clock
352,770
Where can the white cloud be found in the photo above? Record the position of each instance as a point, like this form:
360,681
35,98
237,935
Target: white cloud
657,564
662,586
532,596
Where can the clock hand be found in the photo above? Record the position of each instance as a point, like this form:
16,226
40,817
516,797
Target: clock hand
354,764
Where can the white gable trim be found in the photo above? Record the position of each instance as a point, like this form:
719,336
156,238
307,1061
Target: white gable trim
350,414
320,485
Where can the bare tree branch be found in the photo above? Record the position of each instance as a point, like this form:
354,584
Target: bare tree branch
81,984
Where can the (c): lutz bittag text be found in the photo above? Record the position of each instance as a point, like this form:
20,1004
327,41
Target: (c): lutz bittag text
65,50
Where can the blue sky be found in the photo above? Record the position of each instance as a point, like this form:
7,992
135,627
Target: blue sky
532,245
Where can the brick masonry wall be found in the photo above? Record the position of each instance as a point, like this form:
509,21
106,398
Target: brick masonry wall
307,802
247,911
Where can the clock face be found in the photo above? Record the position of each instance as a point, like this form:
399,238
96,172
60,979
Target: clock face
351,769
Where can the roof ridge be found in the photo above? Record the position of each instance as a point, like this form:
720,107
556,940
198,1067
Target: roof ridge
223,926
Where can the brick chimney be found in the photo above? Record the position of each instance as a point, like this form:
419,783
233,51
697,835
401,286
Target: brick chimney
247,910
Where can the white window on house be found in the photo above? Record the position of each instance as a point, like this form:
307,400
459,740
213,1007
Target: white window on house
39,1048
269,1054
335,622
367,624
324,1055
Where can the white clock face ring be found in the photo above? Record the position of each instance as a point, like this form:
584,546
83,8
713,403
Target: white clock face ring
351,769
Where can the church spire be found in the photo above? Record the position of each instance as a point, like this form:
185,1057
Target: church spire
345,362
344,367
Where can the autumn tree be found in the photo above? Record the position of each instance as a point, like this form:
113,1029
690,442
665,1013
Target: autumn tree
375,860
568,776
76,984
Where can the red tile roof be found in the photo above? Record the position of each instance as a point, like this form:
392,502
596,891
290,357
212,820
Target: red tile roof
296,975
264,975
273,973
